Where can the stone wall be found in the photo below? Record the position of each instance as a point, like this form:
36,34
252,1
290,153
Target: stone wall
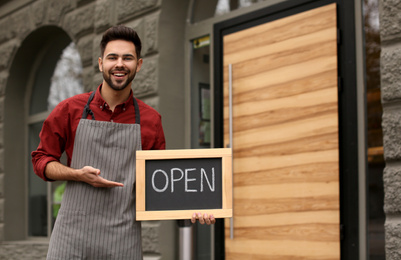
84,21
23,250
390,27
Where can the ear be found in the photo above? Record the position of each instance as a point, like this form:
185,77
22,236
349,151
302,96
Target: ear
100,62
139,65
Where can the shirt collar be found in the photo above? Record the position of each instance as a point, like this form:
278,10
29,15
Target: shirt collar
98,99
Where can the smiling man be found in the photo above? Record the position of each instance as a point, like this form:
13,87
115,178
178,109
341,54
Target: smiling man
100,132
119,69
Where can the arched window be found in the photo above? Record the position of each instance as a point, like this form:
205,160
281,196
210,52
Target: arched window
45,61
44,198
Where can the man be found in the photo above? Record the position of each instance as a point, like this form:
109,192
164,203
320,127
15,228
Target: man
100,132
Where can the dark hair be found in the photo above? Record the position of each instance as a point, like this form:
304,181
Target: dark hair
121,32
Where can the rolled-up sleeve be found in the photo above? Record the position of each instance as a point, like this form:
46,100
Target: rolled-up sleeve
52,140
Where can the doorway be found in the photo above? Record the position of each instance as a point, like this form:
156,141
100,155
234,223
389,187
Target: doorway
293,112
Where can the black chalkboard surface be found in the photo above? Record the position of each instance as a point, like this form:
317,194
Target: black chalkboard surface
183,184
173,184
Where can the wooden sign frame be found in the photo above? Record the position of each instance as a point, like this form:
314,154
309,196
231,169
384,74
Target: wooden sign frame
227,201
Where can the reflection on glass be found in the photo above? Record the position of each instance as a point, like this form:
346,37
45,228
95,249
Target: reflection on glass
205,9
67,78
376,238
222,7
244,3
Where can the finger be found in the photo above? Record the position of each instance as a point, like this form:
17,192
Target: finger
103,183
97,185
207,219
212,219
201,220
115,184
193,219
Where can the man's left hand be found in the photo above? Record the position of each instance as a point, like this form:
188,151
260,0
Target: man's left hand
203,218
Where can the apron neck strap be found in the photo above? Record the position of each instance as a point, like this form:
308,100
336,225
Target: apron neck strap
137,115
88,111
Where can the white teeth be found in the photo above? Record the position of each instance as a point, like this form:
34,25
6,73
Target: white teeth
119,75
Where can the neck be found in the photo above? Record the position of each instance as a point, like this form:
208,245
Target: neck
114,97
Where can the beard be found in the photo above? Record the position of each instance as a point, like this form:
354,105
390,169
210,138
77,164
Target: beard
118,84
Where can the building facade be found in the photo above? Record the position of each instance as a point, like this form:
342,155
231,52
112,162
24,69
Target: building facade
390,33
33,34
30,30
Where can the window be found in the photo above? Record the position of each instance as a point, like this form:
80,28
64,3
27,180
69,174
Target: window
44,198
203,10
376,164
200,93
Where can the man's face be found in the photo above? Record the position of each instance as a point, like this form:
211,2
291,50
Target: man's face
119,64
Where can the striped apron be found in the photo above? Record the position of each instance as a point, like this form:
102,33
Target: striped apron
100,223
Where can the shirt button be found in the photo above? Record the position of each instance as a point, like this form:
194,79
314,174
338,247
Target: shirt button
124,109
105,105
100,107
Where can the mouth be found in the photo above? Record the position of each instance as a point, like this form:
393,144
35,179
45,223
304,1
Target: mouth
119,74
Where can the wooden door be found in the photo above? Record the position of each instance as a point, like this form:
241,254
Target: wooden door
285,138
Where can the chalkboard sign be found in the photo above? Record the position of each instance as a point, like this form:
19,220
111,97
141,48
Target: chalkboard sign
173,184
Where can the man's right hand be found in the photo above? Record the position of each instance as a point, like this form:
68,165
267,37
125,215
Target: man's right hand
92,176
59,172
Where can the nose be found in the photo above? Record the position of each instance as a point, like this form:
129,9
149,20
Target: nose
120,62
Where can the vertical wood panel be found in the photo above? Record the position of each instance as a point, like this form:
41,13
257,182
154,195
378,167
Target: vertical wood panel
285,138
